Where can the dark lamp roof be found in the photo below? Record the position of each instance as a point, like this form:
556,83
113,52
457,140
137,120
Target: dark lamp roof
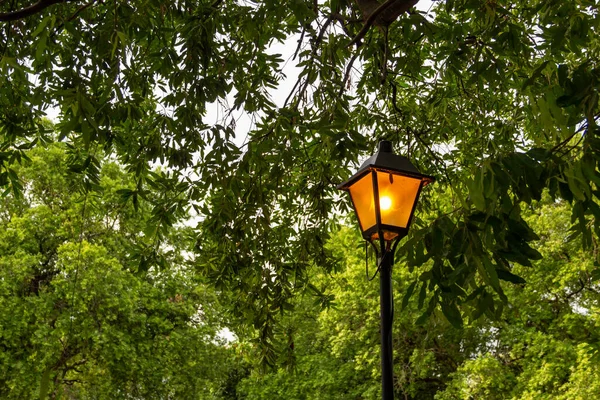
385,159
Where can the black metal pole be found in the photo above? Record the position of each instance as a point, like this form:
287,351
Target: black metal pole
387,311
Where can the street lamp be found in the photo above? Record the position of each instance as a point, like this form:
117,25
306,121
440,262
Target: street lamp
384,193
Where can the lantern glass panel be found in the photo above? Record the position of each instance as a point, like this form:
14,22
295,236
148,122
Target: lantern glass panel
397,195
361,192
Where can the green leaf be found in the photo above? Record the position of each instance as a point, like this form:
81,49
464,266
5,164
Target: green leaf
476,191
430,307
422,295
452,314
11,61
588,167
565,191
514,255
485,302
529,251
539,154
409,292
566,100
536,73
41,26
490,270
522,230
509,276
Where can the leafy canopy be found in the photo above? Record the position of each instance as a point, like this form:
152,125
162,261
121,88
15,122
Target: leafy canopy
545,346
497,99
80,317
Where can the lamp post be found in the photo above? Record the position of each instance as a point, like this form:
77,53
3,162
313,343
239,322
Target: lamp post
384,193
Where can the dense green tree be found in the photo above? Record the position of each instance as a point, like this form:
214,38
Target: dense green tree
335,340
547,344
544,347
498,99
80,317
337,354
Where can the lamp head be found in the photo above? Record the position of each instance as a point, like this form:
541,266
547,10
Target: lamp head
384,193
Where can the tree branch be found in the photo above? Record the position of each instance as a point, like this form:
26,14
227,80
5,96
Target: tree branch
300,42
29,11
577,291
373,16
315,48
348,71
72,17
339,18
418,134
564,142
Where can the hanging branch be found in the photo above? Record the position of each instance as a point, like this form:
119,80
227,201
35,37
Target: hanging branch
343,22
315,47
396,6
347,74
418,134
568,139
29,11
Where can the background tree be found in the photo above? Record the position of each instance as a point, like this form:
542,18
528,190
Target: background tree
545,346
81,316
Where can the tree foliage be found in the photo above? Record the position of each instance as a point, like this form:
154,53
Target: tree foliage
545,346
80,317
495,98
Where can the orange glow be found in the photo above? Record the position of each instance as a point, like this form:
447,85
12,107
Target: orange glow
397,196
401,192
385,203
361,192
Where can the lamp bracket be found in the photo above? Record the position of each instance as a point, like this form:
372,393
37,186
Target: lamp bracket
387,249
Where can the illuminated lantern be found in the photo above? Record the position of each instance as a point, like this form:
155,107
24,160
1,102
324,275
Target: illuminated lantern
384,192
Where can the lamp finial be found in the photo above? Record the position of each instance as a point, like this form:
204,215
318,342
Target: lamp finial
385,146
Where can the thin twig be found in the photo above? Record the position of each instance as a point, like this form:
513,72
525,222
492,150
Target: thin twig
348,71
339,18
299,43
291,93
315,48
417,135
80,9
72,17
433,153
384,66
561,144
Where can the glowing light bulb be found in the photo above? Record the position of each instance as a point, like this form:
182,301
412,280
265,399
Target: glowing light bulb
385,203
